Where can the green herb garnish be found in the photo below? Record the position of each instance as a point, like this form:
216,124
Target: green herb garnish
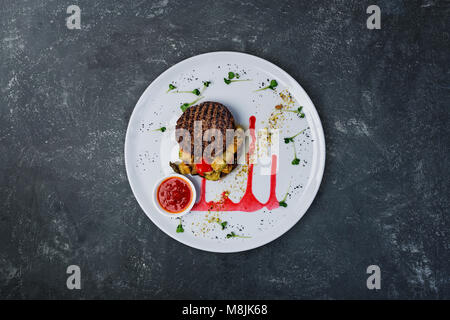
283,203
223,224
227,81
296,160
171,87
291,139
233,235
195,91
180,227
162,129
273,84
205,85
186,105
298,112
232,75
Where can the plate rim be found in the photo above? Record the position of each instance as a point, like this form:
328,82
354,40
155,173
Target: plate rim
320,139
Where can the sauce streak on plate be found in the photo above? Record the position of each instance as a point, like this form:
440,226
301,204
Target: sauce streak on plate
248,203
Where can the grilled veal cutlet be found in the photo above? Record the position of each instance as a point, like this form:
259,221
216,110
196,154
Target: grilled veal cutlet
213,115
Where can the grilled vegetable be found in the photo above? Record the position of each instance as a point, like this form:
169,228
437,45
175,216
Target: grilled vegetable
223,163
214,175
184,168
174,166
227,169
184,156
218,164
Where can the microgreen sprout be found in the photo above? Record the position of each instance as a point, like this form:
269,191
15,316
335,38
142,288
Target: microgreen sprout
231,76
162,129
223,224
296,160
195,91
180,227
205,85
298,112
273,84
186,105
233,235
283,203
227,81
171,87
291,139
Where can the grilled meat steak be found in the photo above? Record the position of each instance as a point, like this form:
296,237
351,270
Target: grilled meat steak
213,115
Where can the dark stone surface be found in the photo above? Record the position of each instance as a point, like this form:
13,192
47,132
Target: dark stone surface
66,97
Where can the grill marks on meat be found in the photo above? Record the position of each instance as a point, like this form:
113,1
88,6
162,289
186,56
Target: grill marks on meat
213,115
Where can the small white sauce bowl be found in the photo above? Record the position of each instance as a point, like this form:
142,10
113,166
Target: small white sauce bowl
155,196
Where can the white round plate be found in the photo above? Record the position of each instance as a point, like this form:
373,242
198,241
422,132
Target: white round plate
148,152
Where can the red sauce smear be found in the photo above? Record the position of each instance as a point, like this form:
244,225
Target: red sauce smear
174,195
248,203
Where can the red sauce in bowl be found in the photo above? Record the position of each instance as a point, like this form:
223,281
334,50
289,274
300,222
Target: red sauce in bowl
174,194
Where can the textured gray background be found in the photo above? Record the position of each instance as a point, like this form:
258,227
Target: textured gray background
67,95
